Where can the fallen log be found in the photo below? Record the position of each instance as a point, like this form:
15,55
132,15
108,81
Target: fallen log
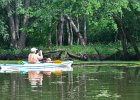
82,57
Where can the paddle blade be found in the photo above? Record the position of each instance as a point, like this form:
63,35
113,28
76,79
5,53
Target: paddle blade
57,61
19,61
58,72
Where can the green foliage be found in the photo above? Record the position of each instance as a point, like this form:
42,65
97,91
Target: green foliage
3,30
8,51
4,3
14,51
108,48
45,14
4,36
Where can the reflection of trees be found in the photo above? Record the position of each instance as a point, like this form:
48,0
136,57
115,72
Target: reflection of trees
4,87
129,84
17,86
72,86
78,86
61,87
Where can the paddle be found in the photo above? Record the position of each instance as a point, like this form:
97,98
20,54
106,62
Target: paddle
18,61
22,62
57,61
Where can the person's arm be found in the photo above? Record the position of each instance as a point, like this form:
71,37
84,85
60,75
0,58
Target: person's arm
40,55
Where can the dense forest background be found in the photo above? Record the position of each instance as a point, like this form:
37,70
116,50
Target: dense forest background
26,23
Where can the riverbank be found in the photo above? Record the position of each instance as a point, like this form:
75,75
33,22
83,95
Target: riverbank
96,52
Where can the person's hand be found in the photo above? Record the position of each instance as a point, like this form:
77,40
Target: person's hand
41,55
40,51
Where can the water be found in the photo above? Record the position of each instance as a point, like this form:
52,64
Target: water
84,83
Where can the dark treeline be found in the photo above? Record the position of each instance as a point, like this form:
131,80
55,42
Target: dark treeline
25,23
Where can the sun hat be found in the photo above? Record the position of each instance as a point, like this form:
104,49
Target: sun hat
33,49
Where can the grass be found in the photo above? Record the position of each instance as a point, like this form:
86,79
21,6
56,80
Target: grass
8,61
90,49
104,49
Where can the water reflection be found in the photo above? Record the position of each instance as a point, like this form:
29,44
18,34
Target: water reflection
85,83
35,78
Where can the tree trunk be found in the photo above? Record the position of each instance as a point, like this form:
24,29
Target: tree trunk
70,34
121,31
57,34
17,26
12,27
60,31
133,44
126,36
17,2
22,39
49,38
124,45
76,29
68,31
71,31
85,28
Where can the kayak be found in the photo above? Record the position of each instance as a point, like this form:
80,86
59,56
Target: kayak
52,67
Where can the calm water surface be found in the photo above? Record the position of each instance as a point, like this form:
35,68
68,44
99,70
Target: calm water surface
84,83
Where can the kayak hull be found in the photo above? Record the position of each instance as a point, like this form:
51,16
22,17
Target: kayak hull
64,66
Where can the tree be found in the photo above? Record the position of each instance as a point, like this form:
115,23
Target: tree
17,14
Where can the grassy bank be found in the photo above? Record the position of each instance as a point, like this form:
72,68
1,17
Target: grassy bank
107,49
8,61
90,49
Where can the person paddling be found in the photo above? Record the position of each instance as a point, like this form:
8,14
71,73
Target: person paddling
35,57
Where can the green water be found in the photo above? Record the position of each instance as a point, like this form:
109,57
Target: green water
84,83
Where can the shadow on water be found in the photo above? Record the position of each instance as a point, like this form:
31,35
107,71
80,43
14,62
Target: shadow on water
84,83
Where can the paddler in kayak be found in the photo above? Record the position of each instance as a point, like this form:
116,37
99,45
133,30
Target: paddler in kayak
35,57
48,60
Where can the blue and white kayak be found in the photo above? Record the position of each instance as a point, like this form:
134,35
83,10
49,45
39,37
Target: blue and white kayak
63,66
